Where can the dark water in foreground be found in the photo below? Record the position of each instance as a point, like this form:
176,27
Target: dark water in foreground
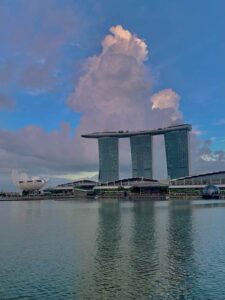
112,250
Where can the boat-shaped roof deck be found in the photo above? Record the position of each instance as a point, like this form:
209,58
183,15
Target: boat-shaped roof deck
126,134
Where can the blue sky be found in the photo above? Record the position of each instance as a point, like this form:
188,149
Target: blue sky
45,44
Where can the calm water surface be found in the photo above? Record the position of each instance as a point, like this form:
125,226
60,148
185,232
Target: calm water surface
112,250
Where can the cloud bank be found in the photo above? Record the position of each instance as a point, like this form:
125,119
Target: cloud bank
34,36
114,93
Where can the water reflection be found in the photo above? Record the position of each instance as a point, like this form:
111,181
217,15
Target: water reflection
181,274
107,259
159,259
208,204
104,279
143,256
112,250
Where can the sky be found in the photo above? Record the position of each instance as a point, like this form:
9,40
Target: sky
72,67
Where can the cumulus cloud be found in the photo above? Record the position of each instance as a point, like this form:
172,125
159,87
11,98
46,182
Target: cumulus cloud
55,154
114,93
115,89
167,99
123,39
203,158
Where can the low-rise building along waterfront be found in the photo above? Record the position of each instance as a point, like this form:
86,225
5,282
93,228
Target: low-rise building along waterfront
192,186
133,188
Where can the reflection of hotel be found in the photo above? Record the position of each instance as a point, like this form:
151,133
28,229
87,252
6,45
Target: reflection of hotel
176,144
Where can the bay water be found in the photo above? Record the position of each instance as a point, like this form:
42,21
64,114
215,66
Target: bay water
109,249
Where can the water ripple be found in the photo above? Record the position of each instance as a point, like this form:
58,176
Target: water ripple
112,250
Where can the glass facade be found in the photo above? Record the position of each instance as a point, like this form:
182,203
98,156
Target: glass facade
177,153
108,159
141,142
141,155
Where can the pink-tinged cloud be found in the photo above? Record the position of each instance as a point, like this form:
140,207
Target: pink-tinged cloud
167,99
124,39
115,89
114,93
32,146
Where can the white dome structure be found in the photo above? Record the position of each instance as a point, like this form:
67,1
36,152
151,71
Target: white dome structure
27,184
31,185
